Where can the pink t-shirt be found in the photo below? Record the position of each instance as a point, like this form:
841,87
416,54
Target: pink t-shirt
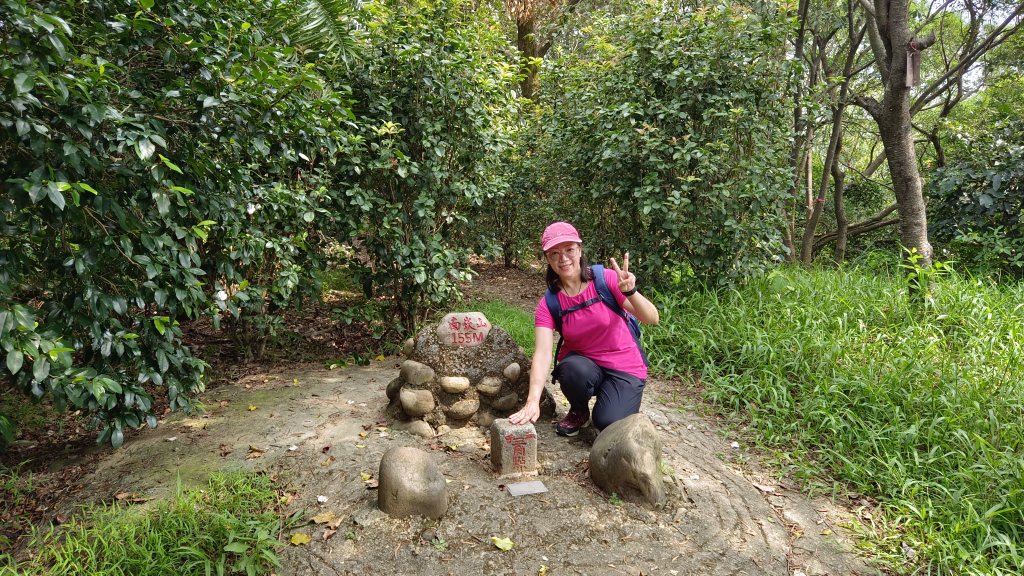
596,331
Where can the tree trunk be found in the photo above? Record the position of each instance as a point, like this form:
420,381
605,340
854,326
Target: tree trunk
526,42
795,156
893,117
842,225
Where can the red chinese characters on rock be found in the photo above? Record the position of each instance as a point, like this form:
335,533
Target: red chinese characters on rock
465,329
518,444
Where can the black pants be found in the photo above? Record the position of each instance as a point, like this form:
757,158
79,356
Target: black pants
618,394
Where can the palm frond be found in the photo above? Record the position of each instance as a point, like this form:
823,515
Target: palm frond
323,29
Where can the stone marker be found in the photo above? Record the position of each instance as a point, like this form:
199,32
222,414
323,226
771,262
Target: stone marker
463,329
624,460
513,449
411,484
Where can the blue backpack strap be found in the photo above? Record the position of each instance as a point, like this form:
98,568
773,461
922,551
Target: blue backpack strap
555,308
604,292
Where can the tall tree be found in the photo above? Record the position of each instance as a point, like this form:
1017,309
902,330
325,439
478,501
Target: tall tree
894,43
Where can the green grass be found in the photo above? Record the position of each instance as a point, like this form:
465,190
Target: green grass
518,323
854,389
230,527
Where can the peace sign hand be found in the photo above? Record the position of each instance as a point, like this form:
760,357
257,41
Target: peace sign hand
627,281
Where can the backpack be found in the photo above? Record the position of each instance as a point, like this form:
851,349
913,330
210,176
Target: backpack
604,294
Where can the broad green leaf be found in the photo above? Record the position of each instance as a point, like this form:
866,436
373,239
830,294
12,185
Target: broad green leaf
237,547
145,148
117,438
55,195
15,360
87,188
23,82
40,369
170,164
147,4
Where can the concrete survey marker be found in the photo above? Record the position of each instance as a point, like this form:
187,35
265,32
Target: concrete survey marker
513,449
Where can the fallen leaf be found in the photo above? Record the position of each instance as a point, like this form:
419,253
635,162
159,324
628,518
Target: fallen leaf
360,445
826,532
252,407
765,489
333,524
325,517
225,450
254,454
542,571
379,358
300,539
224,403
367,426
371,484
365,476
363,434
329,533
327,461
382,429
505,544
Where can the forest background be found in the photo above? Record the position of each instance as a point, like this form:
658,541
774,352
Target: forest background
168,163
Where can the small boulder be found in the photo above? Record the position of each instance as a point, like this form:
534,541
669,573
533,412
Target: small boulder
512,372
393,388
489,385
506,402
408,348
416,402
462,409
454,384
415,373
624,460
411,484
417,427
484,418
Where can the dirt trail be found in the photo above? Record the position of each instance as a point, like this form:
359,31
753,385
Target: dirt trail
322,432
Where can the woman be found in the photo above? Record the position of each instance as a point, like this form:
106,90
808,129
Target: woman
599,356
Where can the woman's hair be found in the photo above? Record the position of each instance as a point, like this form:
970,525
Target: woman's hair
551,277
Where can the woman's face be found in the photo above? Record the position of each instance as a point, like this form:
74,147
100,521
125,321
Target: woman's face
564,259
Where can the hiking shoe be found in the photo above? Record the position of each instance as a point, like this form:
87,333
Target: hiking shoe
573,421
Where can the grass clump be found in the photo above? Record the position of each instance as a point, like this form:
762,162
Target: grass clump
231,527
518,323
920,407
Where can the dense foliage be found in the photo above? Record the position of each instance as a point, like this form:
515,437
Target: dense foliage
666,134
433,101
977,202
163,163
842,378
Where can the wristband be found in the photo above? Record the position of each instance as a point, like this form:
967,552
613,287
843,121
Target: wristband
630,293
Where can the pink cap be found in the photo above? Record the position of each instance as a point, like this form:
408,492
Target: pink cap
557,233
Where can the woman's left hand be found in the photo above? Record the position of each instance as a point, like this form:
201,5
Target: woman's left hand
627,281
